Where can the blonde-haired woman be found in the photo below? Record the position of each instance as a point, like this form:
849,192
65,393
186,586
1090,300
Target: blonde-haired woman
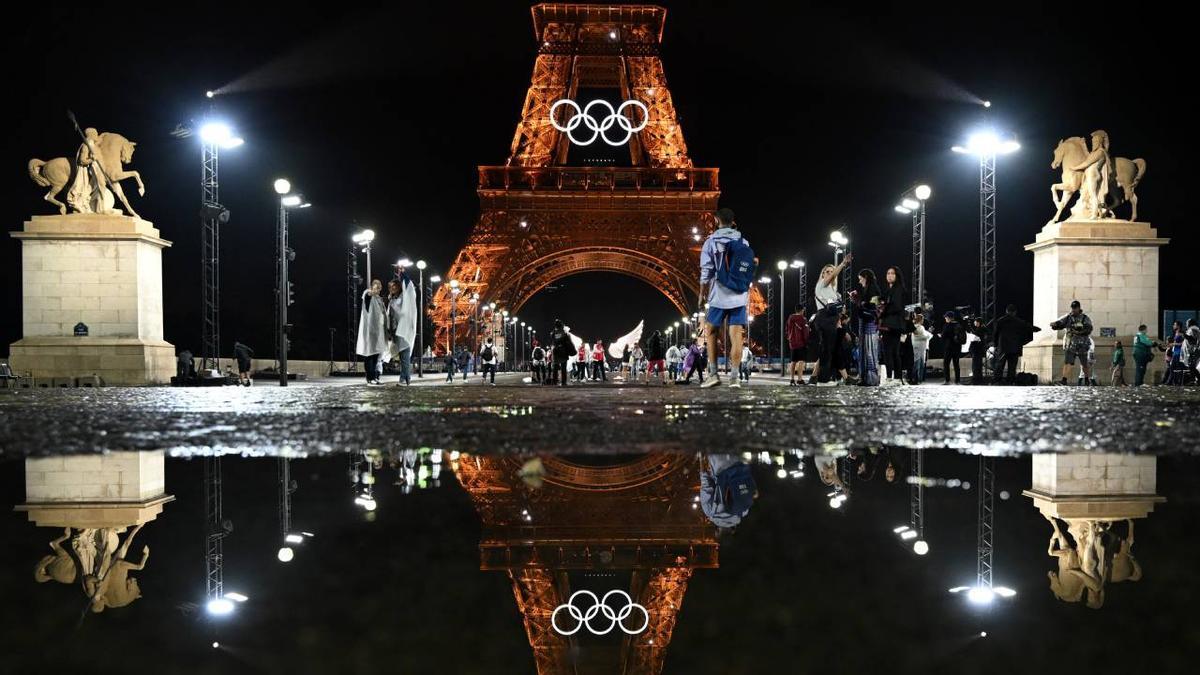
829,306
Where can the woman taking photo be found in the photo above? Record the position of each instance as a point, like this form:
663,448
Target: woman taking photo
829,306
372,331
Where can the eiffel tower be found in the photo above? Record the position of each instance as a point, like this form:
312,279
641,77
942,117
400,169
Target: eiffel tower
631,526
542,219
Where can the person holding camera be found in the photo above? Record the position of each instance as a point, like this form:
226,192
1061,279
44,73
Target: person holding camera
1076,341
1012,334
954,336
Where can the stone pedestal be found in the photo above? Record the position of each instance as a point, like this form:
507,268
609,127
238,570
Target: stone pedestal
106,272
117,490
1111,268
1094,486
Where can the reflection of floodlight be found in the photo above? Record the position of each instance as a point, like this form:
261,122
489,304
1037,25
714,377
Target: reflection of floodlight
981,596
835,503
293,539
283,186
286,554
921,547
900,529
908,534
782,473
923,192
216,644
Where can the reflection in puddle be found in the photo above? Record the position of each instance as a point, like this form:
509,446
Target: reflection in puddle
615,563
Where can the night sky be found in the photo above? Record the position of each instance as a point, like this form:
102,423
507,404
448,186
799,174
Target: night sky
381,117
801,588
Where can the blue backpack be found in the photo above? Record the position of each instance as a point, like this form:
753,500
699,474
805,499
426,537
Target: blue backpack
737,268
736,487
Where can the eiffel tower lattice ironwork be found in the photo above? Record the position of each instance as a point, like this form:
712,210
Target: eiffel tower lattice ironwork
542,219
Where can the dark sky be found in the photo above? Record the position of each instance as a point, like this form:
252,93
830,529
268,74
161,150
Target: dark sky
381,117
801,588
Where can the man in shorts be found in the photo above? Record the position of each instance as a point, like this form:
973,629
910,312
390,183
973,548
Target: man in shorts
1076,341
722,304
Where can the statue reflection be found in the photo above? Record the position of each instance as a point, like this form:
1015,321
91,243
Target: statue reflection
95,499
557,525
1097,496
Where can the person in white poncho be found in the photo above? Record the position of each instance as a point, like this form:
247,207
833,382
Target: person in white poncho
372,331
402,323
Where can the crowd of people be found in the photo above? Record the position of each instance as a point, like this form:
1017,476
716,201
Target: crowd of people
867,335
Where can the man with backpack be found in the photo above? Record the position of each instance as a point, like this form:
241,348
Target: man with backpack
487,357
539,363
727,267
727,489
1077,341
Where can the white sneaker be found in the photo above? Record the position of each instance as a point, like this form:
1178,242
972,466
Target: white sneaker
736,384
712,381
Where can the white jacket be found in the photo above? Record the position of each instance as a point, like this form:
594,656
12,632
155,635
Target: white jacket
402,316
372,332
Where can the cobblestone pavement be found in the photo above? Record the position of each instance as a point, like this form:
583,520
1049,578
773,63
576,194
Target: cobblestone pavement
511,417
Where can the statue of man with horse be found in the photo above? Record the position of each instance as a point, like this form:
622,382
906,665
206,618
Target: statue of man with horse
1102,181
94,177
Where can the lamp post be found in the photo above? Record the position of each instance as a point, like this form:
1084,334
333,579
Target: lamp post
421,313
987,145
782,267
453,313
287,200
913,202
364,239
802,280
214,135
766,281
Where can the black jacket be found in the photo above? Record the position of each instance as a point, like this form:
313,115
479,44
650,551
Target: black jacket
1013,333
562,346
656,351
892,312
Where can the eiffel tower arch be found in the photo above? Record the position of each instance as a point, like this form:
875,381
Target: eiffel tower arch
630,526
542,219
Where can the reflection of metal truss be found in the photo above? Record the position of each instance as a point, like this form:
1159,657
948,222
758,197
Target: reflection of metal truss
635,516
637,221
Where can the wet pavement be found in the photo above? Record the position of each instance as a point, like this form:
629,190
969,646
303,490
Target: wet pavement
511,417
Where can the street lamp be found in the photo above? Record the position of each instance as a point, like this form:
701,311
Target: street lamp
986,145
913,202
782,267
421,312
453,312
802,280
364,240
287,199
214,136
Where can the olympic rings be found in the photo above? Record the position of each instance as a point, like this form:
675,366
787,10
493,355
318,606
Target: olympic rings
599,128
600,606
